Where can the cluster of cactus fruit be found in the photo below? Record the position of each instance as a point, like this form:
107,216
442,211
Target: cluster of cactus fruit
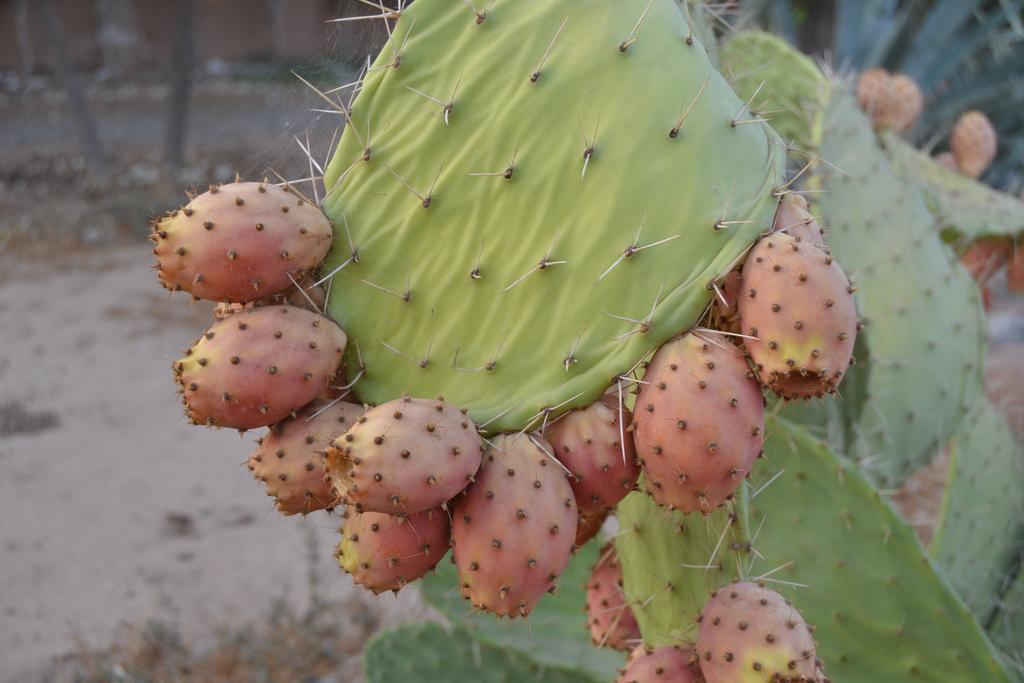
456,345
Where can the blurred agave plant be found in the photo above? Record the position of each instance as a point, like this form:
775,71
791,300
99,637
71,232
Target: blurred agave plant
964,54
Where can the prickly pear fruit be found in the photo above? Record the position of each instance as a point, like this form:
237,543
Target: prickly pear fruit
699,423
726,310
666,664
748,633
594,445
290,457
973,143
386,552
908,102
239,242
609,616
588,526
947,161
985,257
257,366
799,305
874,94
793,218
405,456
890,101
1015,271
513,529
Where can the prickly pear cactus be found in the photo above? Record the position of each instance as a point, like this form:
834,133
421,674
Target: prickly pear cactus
1006,629
964,208
921,309
981,528
526,205
823,536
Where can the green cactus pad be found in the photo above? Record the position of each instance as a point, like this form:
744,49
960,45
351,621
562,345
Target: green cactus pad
1006,629
671,562
429,652
520,339
980,535
793,85
556,631
881,610
965,209
923,312
699,19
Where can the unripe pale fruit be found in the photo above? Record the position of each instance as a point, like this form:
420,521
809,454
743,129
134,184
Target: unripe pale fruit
513,529
405,456
290,457
239,242
890,100
750,634
973,143
256,367
666,664
798,304
699,423
875,94
387,552
611,621
908,103
595,445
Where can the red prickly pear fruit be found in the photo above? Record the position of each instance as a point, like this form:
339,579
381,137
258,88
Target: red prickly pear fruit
985,257
257,366
793,218
1015,271
799,305
947,161
598,450
748,634
611,621
405,456
666,664
290,457
699,423
973,143
513,529
239,242
387,552
588,526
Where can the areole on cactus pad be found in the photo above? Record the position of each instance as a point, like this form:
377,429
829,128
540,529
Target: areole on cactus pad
526,206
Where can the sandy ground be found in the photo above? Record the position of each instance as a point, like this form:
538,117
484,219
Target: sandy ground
113,509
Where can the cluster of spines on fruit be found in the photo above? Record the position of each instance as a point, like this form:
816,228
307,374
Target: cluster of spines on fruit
416,475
